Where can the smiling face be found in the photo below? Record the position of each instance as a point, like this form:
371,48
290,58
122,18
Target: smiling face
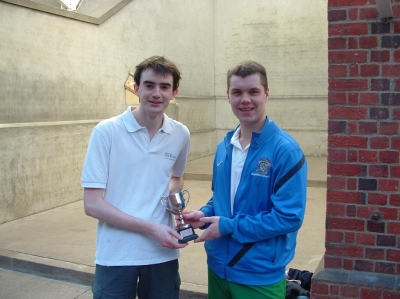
247,98
154,92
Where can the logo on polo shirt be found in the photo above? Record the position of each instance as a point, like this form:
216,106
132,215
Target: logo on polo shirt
170,156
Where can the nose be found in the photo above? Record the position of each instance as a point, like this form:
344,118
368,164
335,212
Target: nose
245,97
156,92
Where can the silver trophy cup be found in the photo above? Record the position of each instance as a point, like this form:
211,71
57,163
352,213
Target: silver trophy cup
176,203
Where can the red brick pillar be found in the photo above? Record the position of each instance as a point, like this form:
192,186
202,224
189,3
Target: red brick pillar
362,258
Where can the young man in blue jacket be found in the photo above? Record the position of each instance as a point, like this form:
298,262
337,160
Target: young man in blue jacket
259,197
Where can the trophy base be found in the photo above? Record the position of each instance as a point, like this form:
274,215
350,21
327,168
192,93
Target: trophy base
188,234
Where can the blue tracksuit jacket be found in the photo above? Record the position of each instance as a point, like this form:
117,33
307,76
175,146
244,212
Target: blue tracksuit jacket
259,239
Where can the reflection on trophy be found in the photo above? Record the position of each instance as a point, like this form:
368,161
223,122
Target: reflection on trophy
176,203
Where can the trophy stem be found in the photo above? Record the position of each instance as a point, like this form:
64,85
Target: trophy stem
181,219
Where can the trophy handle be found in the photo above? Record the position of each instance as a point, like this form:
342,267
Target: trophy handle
186,200
164,202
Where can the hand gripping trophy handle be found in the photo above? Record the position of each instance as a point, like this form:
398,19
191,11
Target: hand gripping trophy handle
176,203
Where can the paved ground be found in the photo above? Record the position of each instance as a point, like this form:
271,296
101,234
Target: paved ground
17,285
57,246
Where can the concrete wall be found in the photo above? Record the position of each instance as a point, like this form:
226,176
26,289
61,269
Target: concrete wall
304,118
290,39
41,164
59,77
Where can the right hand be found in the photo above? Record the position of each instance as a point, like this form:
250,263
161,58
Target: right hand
167,236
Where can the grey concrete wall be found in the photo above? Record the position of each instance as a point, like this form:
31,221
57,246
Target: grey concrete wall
41,166
199,115
59,77
290,39
58,69
305,118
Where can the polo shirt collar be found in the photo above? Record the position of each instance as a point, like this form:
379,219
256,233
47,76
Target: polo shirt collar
132,125
235,140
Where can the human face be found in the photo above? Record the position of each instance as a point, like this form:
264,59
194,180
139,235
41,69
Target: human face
155,92
247,98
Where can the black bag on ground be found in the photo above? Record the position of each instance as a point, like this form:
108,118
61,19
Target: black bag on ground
298,283
293,290
303,275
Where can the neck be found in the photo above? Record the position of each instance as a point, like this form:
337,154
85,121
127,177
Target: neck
152,123
245,136
248,129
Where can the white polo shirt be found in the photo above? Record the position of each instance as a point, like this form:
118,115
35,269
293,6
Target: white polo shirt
135,173
239,156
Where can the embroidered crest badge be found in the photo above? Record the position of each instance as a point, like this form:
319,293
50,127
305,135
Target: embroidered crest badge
263,165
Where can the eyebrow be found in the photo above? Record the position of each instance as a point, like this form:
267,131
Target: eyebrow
251,89
151,82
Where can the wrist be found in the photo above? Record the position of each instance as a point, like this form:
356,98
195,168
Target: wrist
146,227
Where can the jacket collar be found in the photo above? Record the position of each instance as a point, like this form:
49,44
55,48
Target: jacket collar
258,138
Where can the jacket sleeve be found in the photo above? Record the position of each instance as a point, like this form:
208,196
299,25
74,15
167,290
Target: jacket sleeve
208,209
288,202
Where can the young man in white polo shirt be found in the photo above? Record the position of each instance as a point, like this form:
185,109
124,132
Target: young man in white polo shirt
132,161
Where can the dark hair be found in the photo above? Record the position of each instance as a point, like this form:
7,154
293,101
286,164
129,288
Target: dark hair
246,68
160,65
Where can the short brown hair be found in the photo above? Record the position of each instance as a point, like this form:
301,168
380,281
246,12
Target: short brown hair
246,68
160,65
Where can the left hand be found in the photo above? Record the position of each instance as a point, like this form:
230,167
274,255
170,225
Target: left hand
212,231
192,218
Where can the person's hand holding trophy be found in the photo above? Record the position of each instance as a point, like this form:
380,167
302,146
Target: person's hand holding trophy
176,203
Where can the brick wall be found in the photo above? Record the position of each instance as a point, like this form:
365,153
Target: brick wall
362,258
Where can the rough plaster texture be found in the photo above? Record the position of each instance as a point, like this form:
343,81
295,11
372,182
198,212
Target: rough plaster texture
41,167
202,144
306,119
289,38
198,114
56,69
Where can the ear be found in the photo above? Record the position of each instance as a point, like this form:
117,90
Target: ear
266,95
174,93
227,93
135,87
